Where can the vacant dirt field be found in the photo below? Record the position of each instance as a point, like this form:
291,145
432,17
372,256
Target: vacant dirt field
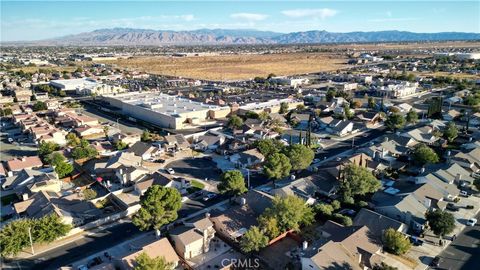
235,67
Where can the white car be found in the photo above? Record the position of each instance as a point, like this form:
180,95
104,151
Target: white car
472,222
170,171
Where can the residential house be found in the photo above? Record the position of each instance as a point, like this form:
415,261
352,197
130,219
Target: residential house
369,119
408,202
304,188
89,131
248,158
193,238
340,127
24,181
71,209
128,138
378,223
208,142
232,223
341,247
176,143
325,121
18,164
144,150
300,120
451,115
159,248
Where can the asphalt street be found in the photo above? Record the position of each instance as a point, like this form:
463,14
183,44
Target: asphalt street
464,252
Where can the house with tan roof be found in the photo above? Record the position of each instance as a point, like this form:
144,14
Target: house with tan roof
18,164
341,247
160,248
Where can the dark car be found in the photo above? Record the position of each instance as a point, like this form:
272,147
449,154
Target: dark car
416,241
435,262
452,207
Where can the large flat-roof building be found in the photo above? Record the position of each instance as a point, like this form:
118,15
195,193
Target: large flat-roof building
73,84
165,110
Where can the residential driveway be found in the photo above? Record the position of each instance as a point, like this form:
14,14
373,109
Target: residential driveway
199,168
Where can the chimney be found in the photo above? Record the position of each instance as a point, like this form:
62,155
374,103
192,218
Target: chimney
24,159
458,177
304,245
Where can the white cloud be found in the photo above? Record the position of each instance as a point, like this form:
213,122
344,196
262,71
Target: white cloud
249,16
321,13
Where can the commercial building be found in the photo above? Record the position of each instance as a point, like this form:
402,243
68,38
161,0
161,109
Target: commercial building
165,110
398,90
73,84
271,106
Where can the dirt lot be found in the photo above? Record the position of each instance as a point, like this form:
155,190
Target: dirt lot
234,67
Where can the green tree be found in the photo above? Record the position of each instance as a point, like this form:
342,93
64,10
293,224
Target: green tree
441,222
384,266
283,108
300,156
336,204
55,158
277,166
14,237
146,136
348,113
49,228
395,121
39,106
263,116
324,210
106,128
395,242
451,132
144,262
89,194
72,140
81,152
235,122
269,225
358,181
423,154
45,149
158,206
253,240
342,219
412,117
371,103
232,183
300,107
290,212
63,169
269,146
119,145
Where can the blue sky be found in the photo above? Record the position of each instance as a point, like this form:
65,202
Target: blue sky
22,20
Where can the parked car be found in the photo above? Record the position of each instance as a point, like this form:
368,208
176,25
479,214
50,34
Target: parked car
464,193
452,207
170,171
472,222
209,196
435,262
415,241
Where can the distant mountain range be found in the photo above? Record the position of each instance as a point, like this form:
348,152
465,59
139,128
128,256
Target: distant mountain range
146,37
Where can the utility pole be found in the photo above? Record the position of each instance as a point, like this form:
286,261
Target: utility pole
31,242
